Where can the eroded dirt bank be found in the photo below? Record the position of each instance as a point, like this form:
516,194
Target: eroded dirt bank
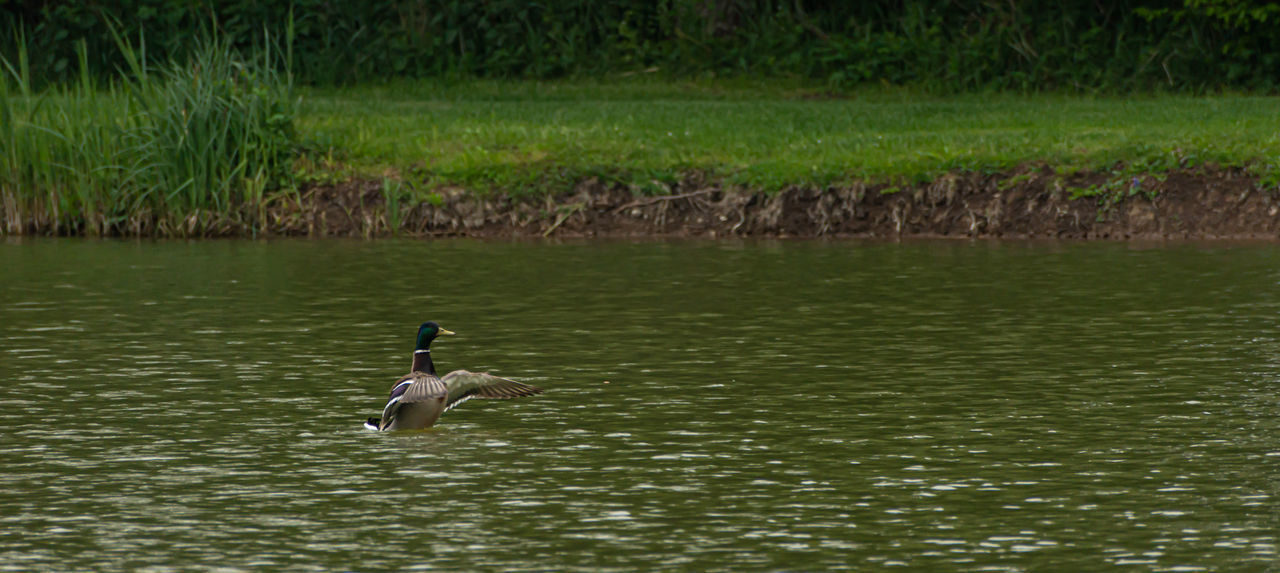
1035,203
1204,203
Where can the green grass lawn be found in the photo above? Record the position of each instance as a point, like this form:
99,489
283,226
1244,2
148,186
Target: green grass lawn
531,137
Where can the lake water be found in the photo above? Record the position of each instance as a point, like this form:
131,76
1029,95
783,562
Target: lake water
709,406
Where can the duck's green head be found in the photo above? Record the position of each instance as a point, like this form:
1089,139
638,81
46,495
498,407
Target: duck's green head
428,332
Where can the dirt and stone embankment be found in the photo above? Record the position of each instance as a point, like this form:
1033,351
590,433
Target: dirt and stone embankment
1030,204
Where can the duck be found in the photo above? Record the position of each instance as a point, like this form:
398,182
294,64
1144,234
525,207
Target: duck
419,398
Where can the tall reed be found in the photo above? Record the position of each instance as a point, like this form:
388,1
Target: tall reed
187,148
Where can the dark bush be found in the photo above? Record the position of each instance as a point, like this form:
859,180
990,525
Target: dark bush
1196,45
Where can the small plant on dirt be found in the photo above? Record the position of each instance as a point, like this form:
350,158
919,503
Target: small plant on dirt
1115,191
1016,180
394,197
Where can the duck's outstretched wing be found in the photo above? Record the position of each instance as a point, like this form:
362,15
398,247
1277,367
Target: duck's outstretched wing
463,386
410,388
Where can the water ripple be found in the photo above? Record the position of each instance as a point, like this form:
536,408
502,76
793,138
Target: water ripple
718,407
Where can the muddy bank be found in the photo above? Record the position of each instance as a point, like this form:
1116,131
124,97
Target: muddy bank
1031,203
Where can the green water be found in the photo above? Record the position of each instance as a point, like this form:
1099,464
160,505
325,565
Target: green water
709,406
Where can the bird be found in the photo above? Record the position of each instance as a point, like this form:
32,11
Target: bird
419,398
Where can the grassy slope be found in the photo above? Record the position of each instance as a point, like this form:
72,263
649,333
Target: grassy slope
531,137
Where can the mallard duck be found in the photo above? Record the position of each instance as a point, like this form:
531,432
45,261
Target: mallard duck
420,397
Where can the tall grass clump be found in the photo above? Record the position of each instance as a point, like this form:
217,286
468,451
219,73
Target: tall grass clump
187,148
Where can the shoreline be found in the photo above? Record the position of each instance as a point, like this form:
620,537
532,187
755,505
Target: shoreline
1033,202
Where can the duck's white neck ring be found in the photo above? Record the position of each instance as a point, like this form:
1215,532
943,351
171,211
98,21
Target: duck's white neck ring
422,362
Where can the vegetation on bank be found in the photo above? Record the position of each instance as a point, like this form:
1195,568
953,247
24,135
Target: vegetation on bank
175,150
210,144
942,47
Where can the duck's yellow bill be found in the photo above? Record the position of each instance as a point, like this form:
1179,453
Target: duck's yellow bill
443,331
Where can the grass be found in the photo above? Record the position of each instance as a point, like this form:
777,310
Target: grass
531,137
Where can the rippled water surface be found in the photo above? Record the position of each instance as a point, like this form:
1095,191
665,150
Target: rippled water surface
709,406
